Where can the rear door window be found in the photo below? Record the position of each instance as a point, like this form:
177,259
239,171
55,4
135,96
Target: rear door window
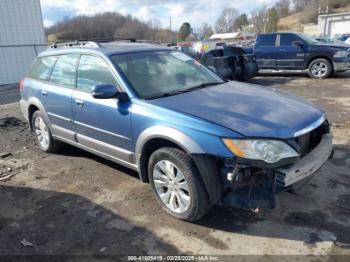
93,71
266,40
42,68
64,71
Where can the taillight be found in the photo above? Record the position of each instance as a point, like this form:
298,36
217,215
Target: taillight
21,85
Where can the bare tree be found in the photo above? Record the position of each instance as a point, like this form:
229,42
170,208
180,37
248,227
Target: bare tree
108,25
162,35
225,22
204,31
283,8
258,19
133,29
154,24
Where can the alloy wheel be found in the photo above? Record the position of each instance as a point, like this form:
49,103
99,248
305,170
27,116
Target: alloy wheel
319,69
42,132
171,186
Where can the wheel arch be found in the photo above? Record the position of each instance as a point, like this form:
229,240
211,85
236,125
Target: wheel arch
320,57
156,137
35,105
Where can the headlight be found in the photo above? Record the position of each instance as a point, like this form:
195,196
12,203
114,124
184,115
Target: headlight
340,53
270,151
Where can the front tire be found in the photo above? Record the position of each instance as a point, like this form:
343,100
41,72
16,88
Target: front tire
177,185
320,68
43,134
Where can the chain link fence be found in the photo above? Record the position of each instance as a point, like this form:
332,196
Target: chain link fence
14,63
9,94
9,98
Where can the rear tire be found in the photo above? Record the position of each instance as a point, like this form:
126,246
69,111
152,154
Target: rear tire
43,134
320,68
177,185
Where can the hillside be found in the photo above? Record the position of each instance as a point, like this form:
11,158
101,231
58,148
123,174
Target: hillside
294,22
291,22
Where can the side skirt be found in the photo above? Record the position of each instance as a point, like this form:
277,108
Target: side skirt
99,153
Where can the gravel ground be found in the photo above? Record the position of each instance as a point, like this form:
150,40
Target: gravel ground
76,203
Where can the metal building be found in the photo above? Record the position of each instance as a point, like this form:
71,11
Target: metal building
22,36
334,24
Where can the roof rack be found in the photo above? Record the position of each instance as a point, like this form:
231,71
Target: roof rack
93,42
110,39
76,43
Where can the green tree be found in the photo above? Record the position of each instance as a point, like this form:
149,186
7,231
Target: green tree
272,20
240,22
184,32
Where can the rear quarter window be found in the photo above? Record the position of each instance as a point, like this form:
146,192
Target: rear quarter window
41,68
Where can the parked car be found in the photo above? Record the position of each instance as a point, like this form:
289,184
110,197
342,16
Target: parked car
198,141
347,41
326,39
231,63
298,51
343,37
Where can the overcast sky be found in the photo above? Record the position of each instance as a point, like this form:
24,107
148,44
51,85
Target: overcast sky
195,12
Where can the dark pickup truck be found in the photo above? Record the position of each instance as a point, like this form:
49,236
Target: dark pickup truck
231,63
298,51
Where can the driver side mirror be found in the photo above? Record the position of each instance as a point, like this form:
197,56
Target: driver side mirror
299,44
105,91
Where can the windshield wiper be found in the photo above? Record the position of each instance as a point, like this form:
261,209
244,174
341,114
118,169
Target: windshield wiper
200,86
165,94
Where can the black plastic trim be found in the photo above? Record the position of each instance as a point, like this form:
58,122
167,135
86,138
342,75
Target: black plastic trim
208,167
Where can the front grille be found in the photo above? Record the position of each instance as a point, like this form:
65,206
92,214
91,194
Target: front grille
309,141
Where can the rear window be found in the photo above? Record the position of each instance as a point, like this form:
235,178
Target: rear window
64,71
266,40
42,67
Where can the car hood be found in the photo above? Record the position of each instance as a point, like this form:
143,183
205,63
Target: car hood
251,110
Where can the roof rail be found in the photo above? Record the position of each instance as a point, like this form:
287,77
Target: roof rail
93,42
77,43
109,39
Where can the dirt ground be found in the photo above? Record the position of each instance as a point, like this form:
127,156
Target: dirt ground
76,203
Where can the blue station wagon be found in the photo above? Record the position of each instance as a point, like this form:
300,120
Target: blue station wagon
197,140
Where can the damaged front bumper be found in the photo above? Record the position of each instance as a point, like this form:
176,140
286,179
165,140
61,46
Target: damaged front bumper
252,188
306,166
341,66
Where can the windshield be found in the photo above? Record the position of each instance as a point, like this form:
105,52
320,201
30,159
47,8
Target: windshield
308,39
161,73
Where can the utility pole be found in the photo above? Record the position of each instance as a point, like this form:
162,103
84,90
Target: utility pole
170,31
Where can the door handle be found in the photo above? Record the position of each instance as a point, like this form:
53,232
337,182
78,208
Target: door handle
43,93
79,102
282,50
